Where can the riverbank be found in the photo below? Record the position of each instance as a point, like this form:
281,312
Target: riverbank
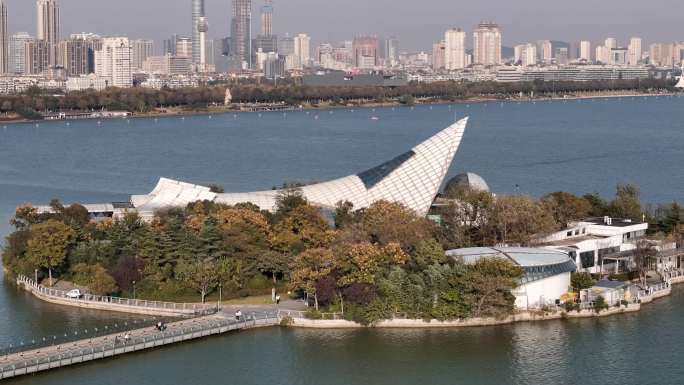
255,108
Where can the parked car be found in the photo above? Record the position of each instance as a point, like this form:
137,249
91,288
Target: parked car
75,293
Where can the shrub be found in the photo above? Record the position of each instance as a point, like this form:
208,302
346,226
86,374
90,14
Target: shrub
313,314
258,282
286,321
600,304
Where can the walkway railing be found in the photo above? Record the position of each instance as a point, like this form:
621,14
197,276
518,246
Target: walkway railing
308,315
17,365
117,303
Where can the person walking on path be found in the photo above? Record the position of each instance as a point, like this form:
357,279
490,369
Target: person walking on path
238,315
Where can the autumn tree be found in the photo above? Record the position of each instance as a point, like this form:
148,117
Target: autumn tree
488,286
200,275
49,243
566,207
385,222
518,219
308,267
627,203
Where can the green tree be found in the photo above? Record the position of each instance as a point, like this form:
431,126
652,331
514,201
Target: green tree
95,277
49,243
200,275
627,203
567,207
581,281
488,286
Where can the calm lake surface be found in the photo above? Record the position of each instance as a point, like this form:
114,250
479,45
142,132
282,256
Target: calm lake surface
578,146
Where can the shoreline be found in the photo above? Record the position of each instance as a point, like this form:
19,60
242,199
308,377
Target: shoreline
369,105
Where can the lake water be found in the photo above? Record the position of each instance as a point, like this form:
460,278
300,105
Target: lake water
578,146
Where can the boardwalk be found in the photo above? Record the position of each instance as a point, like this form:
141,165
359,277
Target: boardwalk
125,305
71,353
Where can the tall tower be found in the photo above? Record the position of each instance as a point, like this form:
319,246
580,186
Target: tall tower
267,18
203,28
241,34
634,51
4,40
48,27
197,14
454,49
487,44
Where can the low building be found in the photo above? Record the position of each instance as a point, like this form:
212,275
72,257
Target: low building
343,79
613,292
86,82
547,272
588,242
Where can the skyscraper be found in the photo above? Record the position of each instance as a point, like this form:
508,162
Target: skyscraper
454,49
302,49
267,18
634,51
487,44
197,14
438,56
17,52
585,50
545,51
78,53
4,40
184,47
113,62
391,51
48,27
365,52
141,49
203,28
241,35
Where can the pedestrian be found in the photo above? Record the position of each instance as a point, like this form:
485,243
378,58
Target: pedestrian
238,315
127,338
278,299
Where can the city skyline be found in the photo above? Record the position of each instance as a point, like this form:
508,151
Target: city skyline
431,18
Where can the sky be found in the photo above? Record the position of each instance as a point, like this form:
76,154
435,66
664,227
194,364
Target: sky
417,24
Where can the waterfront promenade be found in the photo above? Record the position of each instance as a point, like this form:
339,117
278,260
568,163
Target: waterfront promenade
90,349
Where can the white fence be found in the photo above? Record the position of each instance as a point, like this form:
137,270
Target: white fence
115,303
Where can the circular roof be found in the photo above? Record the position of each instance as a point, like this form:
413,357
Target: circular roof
521,256
467,180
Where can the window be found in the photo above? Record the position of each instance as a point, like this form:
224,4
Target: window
569,234
584,231
576,232
587,259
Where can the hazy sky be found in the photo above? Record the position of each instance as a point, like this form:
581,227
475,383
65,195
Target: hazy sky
416,23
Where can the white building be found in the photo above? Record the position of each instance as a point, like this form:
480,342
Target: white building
167,65
546,277
528,55
634,51
454,49
487,44
302,50
545,51
585,50
589,241
113,62
86,82
48,27
17,52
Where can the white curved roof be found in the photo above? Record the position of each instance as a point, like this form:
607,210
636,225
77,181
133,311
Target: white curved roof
412,179
521,256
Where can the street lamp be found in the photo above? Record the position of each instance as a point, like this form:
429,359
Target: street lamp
133,289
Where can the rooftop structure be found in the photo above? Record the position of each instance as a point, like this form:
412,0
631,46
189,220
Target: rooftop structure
412,179
547,272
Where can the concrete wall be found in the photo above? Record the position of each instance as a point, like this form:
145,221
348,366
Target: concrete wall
542,292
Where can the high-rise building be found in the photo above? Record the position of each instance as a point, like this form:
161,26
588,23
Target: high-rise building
487,44
391,51
302,49
141,49
585,50
439,56
365,52
528,56
454,49
611,43
634,51
220,61
17,52
286,45
36,57
603,54
562,55
184,47
170,45
545,51
203,65
663,54
241,35
78,53
113,62
4,40
197,15
48,27
267,18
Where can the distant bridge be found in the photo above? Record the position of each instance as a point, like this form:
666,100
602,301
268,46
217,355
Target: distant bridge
125,305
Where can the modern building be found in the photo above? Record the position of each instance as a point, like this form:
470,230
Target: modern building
48,27
36,57
588,242
545,51
184,46
141,49
203,65
170,45
526,54
365,52
198,18
454,49
86,82
241,35
635,51
4,40
487,44
344,79
585,50
391,55
267,18
546,277
78,53
17,52
113,62
167,65
439,56
412,179
302,49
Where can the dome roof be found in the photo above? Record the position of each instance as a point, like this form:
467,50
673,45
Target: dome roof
467,180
